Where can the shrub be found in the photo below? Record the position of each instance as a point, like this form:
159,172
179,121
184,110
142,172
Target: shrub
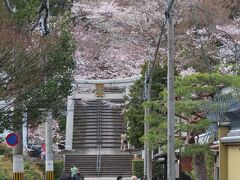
41,166
138,169
4,150
5,168
58,168
31,171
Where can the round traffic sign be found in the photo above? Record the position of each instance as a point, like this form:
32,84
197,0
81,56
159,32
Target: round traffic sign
12,139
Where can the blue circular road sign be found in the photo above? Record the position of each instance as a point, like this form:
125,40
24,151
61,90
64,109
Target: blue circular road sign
12,139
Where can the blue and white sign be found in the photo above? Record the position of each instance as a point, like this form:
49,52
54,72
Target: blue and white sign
12,139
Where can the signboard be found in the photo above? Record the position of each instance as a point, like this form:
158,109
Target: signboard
12,139
99,89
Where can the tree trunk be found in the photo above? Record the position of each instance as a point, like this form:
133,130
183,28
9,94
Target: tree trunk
200,166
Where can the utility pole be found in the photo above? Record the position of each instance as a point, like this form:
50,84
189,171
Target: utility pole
146,111
49,174
147,92
149,86
170,87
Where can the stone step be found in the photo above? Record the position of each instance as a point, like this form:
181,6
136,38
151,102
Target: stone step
103,118
104,129
79,114
77,142
84,132
81,140
98,100
95,124
86,123
84,146
94,134
88,120
78,126
95,105
84,111
98,110
107,118
95,137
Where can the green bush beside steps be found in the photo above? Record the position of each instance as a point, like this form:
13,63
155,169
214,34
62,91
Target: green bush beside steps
157,169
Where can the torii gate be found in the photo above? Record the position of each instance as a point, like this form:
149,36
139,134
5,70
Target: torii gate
98,87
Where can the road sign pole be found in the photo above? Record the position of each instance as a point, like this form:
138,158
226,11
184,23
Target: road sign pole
18,165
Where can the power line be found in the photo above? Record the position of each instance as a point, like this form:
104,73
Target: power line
156,51
159,40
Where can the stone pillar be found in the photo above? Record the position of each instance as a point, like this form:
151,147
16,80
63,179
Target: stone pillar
69,124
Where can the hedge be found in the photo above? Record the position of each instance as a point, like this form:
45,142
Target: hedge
138,169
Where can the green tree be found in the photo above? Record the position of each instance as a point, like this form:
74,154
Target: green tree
134,113
192,94
36,72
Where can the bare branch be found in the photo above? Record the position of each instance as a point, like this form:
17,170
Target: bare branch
11,8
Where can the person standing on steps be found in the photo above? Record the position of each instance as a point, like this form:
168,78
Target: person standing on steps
74,170
123,141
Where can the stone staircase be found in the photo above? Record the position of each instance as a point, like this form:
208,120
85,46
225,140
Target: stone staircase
96,139
111,165
97,123
85,163
114,165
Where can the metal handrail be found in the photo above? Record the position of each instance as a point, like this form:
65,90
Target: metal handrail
99,138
